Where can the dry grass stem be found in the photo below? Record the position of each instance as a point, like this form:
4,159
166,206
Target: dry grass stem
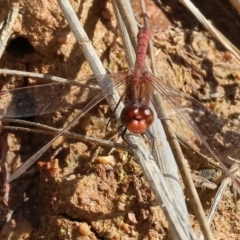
236,5
44,76
219,196
6,32
33,75
51,130
207,24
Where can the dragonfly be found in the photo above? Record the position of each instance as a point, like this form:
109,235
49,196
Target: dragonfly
136,116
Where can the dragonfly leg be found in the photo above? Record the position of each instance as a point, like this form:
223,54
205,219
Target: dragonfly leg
114,110
123,131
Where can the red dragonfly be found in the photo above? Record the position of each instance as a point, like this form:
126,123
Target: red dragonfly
136,116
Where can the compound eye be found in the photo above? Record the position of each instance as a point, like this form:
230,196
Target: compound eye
137,119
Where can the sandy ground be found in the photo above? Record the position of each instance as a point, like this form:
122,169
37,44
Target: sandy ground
73,193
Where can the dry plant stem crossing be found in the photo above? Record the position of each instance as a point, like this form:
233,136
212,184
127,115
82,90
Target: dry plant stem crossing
189,185
173,141
130,52
184,170
219,194
53,131
176,188
149,167
163,155
196,204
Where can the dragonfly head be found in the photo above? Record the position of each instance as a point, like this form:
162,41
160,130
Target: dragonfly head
137,118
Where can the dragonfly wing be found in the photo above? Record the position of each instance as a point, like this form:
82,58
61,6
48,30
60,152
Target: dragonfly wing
48,98
30,101
207,127
117,79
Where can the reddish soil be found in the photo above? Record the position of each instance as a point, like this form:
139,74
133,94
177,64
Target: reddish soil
77,194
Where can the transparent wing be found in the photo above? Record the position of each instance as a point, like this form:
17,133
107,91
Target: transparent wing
117,80
207,128
43,99
34,100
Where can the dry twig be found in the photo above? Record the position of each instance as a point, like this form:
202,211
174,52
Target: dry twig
52,131
207,24
219,196
6,32
43,76
236,5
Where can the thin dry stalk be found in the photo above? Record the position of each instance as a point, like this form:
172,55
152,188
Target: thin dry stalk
219,196
130,52
188,182
52,131
164,157
207,24
128,20
32,74
6,32
236,5
42,76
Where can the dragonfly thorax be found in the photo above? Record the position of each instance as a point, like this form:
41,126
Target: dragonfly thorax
137,118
